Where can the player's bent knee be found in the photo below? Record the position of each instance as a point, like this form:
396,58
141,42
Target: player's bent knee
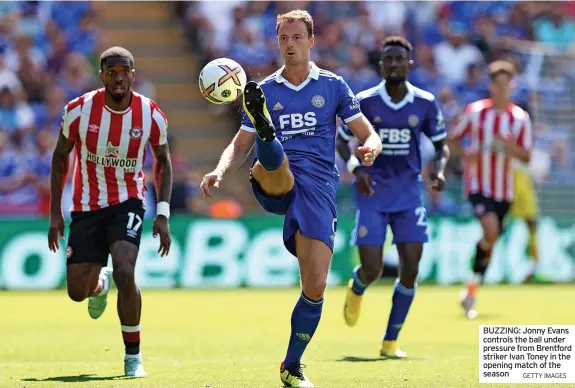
314,288
409,275
372,271
274,183
78,294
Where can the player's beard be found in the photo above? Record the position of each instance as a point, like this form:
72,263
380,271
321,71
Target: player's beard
395,80
118,97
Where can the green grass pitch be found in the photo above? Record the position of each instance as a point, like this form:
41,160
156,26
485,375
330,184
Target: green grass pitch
237,338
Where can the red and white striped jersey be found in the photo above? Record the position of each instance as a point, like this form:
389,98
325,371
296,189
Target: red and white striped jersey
110,148
484,126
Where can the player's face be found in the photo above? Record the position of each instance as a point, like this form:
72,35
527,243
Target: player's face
294,42
501,87
117,76
395,64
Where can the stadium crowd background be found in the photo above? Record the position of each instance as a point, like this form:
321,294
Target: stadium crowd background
49,54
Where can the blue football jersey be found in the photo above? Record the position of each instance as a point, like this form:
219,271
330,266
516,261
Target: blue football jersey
397,170
304,117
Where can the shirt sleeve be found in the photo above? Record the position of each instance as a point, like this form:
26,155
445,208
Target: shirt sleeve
434,127
159,131
70,123
463,126
247,124
348,108
525,138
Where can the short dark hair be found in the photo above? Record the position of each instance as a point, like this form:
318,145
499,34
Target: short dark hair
501,67
116,52
397,40
294,16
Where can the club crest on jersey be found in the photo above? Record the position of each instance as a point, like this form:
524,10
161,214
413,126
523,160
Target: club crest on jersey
413,120
362,232
318,101
69,252
135,132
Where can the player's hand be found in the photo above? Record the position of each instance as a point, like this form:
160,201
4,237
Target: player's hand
55,231
363,182
471,157
367,155
213,178
162,228
506,144
436,181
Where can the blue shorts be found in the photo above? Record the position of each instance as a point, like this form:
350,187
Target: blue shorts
307,208
406,226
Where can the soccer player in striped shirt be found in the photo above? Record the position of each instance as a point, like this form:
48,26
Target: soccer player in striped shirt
108,130
495,132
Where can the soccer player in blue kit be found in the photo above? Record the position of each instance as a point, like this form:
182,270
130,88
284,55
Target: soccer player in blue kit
294,129
390,191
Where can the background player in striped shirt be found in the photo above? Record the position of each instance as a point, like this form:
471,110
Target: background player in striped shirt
108,129
491,134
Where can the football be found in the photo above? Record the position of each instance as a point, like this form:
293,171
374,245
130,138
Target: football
222,81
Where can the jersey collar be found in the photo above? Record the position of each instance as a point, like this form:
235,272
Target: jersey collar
313,74
409,97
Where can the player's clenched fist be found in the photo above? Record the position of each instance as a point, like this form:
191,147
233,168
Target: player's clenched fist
367,155
213,178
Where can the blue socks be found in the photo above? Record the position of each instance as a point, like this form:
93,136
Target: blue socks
269,154
304,320
358,287
401,301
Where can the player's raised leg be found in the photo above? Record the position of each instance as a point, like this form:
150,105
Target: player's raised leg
491,228
314,258
88,280
86,275
271,170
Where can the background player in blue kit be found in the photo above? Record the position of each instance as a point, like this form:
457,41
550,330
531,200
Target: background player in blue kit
390,191
295,173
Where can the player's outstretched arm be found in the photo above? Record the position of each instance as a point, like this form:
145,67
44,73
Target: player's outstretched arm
362,129
163,182
58,174
232,158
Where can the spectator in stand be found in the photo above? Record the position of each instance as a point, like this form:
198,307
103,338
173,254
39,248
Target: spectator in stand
250,50
356,73
555,28
474,87
58,52
453,55
426,75
48,115
76,77
16,118
16,193
39,164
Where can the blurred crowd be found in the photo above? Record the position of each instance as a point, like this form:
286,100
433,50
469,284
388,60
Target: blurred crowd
49,54
453,42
